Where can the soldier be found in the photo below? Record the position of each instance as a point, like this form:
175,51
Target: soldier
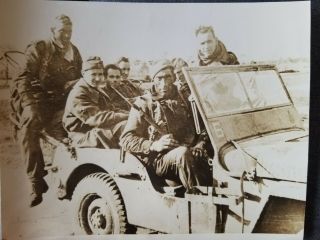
211,50
38,97
129,88
114,75
184,94
181,83
90,116
178,154
124,65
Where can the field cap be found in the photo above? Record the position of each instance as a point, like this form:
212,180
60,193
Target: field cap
92,62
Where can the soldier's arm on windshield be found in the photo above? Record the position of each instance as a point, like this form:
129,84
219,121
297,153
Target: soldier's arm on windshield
134,137
89,113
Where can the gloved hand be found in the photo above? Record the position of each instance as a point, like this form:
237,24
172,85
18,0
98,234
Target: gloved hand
165,142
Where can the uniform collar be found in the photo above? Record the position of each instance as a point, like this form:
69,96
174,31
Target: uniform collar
218,55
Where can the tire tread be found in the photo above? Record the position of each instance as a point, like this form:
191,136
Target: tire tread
111,186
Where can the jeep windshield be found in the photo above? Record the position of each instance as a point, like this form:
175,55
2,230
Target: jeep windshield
229,92
243,101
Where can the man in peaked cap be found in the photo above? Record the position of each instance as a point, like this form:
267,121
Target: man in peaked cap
173,154
90,117
38,97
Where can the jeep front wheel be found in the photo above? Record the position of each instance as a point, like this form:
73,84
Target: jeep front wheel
98,205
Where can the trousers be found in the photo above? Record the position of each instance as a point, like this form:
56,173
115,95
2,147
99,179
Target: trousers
179,165
29,139
98,137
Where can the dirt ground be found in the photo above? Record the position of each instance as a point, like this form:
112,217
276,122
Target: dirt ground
52,217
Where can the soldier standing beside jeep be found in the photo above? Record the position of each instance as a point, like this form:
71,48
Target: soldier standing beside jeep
38,97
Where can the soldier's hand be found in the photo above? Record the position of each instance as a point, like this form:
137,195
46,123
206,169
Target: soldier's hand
165,142
198,151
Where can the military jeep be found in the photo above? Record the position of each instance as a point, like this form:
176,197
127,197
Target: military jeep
258,170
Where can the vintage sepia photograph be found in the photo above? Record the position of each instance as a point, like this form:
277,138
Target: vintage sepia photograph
154,120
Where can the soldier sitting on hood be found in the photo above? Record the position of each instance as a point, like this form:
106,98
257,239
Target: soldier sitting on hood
177,153
38,97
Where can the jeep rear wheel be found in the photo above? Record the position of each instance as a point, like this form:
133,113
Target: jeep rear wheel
98,205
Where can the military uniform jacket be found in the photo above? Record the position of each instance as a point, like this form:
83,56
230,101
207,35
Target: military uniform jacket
45,74
170,115
128,90
88,108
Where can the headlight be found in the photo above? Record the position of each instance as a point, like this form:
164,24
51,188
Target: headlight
237,161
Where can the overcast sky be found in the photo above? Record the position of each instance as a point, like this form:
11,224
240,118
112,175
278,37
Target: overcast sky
254,31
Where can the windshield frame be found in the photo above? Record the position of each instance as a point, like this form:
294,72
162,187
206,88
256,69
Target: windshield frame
189,71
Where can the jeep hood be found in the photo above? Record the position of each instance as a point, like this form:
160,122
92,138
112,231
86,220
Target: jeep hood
282,156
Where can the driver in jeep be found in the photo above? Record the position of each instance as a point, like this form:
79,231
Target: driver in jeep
179,154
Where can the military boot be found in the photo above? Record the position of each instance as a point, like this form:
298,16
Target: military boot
37,189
